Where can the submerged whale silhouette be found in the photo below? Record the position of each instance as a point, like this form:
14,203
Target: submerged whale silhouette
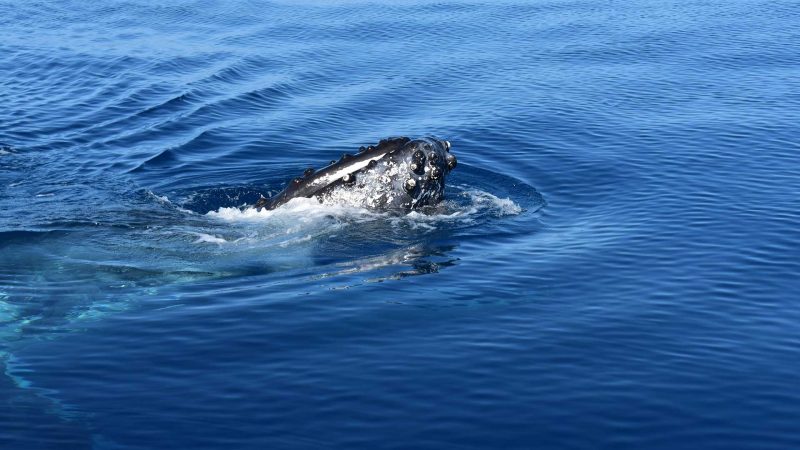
398,173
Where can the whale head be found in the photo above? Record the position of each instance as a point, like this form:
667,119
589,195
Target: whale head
395,174
410,175
427,163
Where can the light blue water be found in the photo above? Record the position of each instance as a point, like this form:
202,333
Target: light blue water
616,266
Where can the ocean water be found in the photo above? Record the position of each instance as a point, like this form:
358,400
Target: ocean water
617,263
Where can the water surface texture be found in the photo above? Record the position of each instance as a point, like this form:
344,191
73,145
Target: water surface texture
616,265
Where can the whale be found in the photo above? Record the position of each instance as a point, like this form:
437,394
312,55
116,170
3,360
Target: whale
397,173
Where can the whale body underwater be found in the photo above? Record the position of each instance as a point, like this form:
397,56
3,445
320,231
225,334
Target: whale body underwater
396,174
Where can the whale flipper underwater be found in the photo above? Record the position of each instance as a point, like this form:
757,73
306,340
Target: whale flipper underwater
398,173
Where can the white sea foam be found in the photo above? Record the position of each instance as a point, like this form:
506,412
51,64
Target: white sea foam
297,211
163,199
479,203
208,238
300,215
492,203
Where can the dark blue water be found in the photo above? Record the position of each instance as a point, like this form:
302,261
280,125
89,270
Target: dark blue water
617,264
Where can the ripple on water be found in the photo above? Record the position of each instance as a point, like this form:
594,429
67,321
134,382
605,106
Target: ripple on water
649,304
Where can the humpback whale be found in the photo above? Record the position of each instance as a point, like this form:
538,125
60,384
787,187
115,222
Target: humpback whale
398,173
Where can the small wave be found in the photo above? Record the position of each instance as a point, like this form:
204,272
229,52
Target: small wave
8,311
11,237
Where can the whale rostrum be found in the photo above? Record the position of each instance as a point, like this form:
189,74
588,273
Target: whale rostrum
397,173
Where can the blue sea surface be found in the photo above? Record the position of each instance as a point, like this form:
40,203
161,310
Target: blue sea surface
617,263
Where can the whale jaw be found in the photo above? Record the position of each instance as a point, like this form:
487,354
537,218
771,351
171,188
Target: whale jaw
397,173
